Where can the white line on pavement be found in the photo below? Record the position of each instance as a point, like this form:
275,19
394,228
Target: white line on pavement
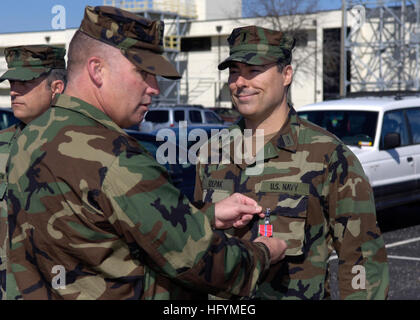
404,258
400,243
389,256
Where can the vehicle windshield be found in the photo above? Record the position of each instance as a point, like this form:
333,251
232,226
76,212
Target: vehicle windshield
212,118
354,128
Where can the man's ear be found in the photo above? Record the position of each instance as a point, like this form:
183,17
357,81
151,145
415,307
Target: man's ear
57,86
287,74
95,69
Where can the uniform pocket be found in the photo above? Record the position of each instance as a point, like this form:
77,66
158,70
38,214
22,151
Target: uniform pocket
288,215
214,195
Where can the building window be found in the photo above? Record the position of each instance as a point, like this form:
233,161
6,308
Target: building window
196,44
331,55
301,37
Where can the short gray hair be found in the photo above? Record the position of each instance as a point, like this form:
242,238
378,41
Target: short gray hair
56,74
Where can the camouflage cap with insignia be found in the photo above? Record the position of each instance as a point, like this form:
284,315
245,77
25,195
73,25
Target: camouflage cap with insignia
139,39
258,46
26,63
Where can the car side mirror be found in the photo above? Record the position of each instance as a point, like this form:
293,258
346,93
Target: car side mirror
392,140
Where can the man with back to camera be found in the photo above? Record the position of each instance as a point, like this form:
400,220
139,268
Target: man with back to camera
36,74
312,187
88,203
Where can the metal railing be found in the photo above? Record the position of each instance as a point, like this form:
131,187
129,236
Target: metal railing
380,45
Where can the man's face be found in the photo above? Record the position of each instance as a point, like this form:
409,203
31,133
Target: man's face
30,98
257,90
127,92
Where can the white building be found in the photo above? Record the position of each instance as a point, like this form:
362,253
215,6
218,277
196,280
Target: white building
199,55
197,36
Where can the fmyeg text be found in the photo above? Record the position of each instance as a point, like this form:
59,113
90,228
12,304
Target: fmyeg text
220,147
213,309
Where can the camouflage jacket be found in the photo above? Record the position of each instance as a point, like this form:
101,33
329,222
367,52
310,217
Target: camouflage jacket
93,216
6,138
320,200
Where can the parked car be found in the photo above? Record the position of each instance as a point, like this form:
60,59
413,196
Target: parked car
7,118
384,133
170,116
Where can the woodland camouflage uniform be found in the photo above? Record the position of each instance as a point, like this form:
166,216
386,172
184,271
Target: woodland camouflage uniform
86,196
315,188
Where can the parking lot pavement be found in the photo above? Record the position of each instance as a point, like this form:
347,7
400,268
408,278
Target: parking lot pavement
401,231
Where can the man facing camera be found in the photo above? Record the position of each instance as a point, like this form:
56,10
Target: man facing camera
312,188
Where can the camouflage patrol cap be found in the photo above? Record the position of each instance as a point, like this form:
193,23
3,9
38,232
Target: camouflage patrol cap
26,63
258,46
139,39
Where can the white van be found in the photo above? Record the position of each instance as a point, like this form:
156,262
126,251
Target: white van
384,133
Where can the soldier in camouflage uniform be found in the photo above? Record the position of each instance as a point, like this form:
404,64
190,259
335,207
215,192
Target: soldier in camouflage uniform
312,187
91,214
36,74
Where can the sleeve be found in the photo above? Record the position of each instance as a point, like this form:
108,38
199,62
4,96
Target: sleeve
6,136
175,238
363,267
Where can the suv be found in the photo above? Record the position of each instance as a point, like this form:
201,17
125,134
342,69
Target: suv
384,133
170,116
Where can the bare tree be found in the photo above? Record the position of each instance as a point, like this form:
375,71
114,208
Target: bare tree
292,17
297,17
284,15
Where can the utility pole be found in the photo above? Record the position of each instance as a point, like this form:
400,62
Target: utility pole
219,87
343,60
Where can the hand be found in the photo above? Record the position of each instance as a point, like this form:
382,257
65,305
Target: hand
276,246
236,210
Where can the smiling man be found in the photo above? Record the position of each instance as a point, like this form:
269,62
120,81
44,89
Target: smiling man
312,188
36,74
